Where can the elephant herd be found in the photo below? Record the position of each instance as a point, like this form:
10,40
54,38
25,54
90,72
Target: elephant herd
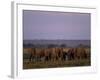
56,54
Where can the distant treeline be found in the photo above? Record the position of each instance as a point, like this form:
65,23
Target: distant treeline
51,45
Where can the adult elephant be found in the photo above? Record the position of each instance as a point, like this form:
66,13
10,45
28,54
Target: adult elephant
54,54
27,52
80,53
32,54
47,54
37,54
70,54
61,54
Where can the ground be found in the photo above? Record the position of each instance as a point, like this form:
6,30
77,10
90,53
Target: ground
51,64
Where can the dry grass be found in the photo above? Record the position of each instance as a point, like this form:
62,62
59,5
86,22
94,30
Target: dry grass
51,64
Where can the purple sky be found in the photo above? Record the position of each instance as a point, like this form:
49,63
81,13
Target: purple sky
56,25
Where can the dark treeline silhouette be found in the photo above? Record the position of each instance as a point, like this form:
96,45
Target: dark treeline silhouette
51,45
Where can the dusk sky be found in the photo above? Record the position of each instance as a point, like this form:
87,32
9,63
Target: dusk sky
56,25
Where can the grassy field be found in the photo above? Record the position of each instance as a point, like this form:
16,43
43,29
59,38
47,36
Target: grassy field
54,64
51,64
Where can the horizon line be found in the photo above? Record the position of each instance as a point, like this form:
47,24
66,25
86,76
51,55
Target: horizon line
58,39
